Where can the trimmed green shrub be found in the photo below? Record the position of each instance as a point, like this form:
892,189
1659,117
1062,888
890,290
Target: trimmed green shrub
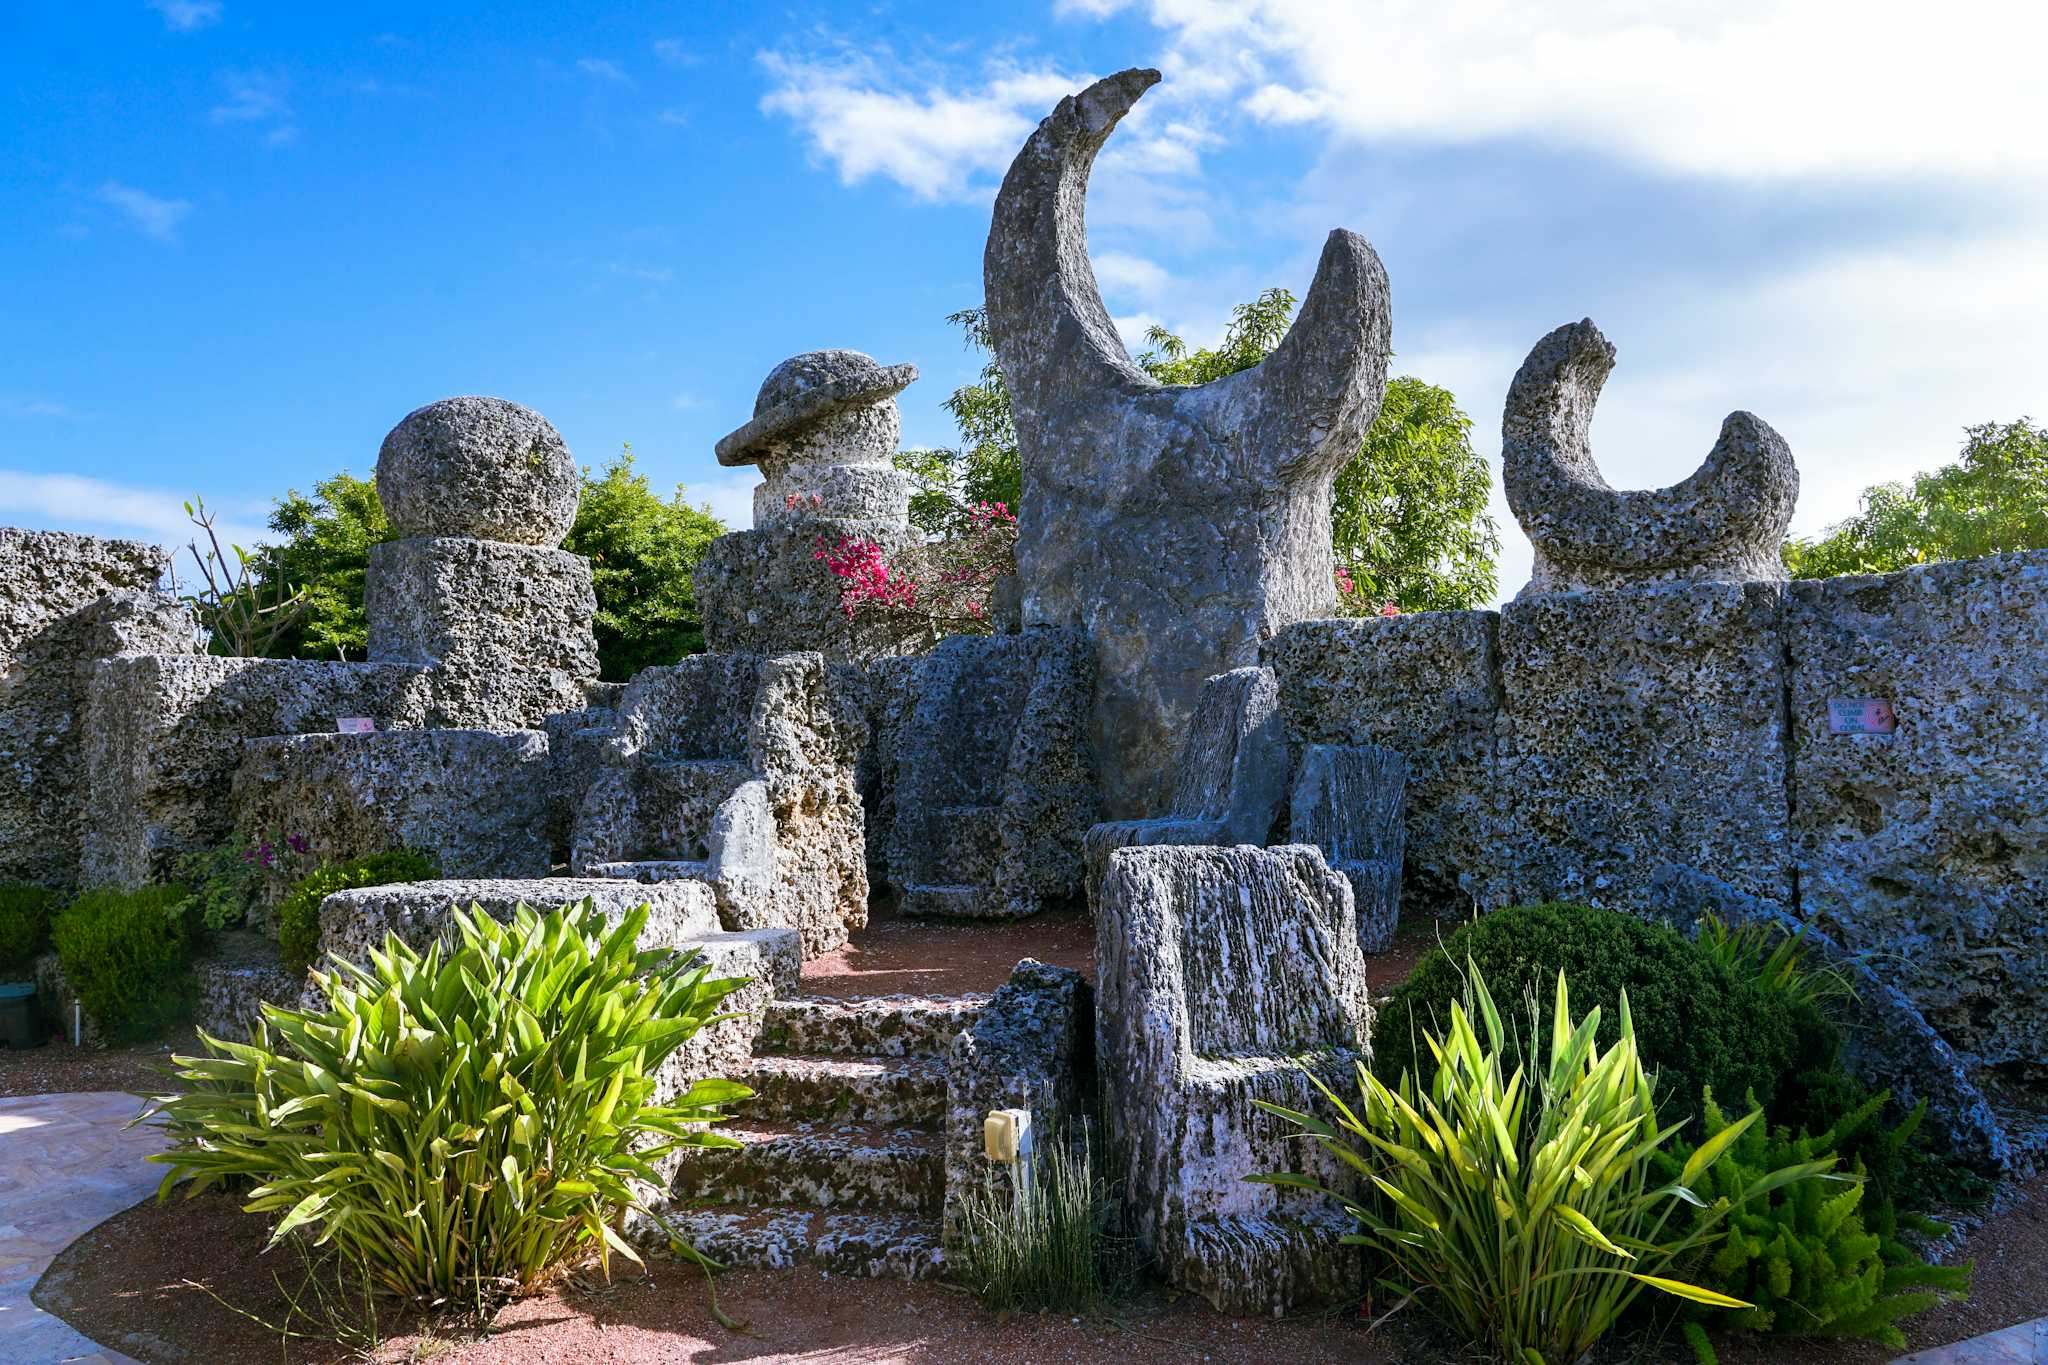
124,953
25,910
298,914
460,1123
1526,1208
1699,1022
1802,1255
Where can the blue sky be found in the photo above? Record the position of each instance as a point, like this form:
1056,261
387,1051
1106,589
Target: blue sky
242,240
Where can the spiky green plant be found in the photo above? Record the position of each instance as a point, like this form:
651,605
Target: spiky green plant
458,1124
1778,961
1047,1241
1524,1209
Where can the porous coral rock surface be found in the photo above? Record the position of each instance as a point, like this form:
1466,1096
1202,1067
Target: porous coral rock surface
478,467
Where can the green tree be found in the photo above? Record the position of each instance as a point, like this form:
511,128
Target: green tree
325,548
642,549
1993,499
1409,523
643,553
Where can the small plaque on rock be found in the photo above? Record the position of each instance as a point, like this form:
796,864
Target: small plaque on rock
1859,716
355,725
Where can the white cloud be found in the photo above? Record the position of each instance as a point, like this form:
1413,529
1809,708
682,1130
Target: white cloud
688,402
671,52
18,406
157,217
730,497
1122,274
68,502
603,70
1772,90
937,141
257,98
187,16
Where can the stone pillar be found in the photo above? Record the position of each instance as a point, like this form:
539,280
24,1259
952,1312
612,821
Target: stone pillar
482,492
824,436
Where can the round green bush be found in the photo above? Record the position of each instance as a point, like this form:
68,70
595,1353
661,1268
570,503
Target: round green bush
25,910
298,914
1698,1022
124,954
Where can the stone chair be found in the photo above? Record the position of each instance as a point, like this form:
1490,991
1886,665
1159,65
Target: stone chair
993,782
735,770
1228,784
1348,801
1222,973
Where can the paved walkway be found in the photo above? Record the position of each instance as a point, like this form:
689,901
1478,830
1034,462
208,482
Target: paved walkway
2026,1344
67,1163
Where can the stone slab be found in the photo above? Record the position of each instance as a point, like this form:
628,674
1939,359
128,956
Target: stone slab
419,913
480,604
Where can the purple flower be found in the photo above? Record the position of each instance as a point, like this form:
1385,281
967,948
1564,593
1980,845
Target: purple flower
297,843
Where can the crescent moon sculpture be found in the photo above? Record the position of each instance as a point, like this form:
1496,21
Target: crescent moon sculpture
1725,523
1179,524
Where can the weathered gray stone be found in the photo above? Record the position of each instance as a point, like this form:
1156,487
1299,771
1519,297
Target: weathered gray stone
1228,784
422,913
1927,848
47,575
164,735
1348,801
1428,687
824,428
994,781
241,972
1180,526
479,467
765,592
737,771
1227,975
1027,1048
480,605
475,801
1725,523
1642,726
44,693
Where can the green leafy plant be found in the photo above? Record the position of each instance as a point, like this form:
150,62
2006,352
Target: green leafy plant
460,1124
242,600
1801,1254
25,910
1527,1208
1777,961
125,954
298,914
227,881
1053,1244
1702,1024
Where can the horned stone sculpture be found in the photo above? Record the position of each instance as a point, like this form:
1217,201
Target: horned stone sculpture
1725,523
1180,525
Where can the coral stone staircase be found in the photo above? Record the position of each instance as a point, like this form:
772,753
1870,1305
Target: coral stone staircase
843,1163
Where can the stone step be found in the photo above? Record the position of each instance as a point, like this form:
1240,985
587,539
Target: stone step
652,870
843,1089
967,843
867,1026
864,1245
873,1168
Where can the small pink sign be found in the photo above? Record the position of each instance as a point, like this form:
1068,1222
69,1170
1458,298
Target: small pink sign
1859,716
355,725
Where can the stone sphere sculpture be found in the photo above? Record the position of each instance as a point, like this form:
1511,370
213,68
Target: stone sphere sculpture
824,432
480,468
1725,523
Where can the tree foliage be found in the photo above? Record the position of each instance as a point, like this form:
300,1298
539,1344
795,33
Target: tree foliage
1409,523
643,550
1993,499
643,553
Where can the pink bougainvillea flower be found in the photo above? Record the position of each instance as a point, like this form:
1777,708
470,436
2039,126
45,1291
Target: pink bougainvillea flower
1390,610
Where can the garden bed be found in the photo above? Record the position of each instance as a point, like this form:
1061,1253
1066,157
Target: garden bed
59,1068
139,1282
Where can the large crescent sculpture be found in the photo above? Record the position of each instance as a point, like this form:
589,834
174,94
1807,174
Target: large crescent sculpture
1725,523
1181,525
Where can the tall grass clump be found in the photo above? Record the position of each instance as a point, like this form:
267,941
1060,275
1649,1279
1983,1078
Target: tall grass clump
1526,1208
459,1124
1057,1243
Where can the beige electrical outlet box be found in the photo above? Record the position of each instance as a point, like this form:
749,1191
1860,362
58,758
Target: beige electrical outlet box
1006,1135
